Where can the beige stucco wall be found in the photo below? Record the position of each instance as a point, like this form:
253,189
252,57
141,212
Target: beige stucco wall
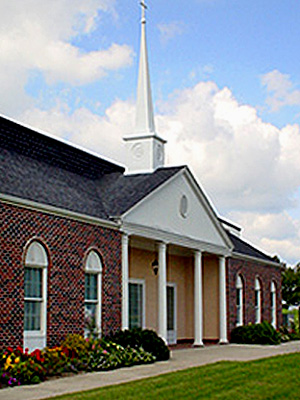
179,271
140,268
210,276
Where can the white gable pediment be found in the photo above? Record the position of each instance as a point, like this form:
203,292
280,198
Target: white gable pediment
179,207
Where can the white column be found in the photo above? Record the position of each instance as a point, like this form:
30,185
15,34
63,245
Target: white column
223,312
198,299
125,274
162,291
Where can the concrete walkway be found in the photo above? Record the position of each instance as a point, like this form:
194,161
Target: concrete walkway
181,359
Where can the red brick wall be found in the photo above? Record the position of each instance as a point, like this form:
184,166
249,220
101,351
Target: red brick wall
67,242
250,270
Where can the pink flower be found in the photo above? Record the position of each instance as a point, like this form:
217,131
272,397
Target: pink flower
104,352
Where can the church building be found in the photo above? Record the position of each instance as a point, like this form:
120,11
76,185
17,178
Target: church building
83,238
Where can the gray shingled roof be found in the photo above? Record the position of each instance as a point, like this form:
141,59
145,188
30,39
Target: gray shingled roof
242,247
39,168
122,192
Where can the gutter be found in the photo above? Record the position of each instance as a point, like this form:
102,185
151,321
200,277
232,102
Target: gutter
61,212
236,255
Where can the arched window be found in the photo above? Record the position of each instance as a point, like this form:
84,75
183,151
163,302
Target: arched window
92,298
35,296
257,301
273,304
239,300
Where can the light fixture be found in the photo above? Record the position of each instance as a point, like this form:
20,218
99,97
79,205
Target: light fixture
155,266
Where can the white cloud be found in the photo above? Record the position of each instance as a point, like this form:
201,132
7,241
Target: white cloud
243,162
63,62
170,30
276,234
101,134
280,89
37,36
275,226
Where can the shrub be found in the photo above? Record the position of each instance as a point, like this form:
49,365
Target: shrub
77,344
263,333
118,356
146,339
59,360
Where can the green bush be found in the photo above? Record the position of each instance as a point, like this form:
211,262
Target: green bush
263,333
59,360
76,343
142,338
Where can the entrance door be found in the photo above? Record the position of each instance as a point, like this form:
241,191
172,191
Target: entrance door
171,313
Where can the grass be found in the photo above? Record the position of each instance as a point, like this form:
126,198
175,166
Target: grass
271,378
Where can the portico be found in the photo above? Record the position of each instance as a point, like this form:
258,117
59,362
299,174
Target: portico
183,301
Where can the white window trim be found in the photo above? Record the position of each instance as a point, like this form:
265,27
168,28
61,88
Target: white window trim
98,272
274,308
38,335
239,285
42,300
174,285
257,288
140,282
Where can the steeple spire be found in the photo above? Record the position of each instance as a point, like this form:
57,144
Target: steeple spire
144,109
145,149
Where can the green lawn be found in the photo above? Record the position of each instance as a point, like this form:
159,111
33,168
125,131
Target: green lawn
271,378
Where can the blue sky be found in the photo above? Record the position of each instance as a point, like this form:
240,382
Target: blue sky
226,86
233,43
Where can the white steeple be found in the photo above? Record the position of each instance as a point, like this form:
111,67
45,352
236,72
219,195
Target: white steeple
144,107
145,150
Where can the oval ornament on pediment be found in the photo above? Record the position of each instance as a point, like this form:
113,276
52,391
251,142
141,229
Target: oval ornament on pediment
183,206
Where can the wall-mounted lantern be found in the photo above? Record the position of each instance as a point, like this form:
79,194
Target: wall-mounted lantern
155,266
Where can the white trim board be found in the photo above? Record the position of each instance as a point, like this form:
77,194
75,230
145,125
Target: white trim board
236,255
170,238
56,211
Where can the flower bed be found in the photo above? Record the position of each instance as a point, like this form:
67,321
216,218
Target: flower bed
18,367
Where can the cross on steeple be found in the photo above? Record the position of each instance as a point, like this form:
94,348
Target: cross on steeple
144,7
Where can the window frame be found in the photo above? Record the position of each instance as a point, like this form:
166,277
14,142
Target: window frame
43,265
273,305
94,268
143,308
258,297
239,286
173,340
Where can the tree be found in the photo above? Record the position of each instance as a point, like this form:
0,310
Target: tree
291,288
